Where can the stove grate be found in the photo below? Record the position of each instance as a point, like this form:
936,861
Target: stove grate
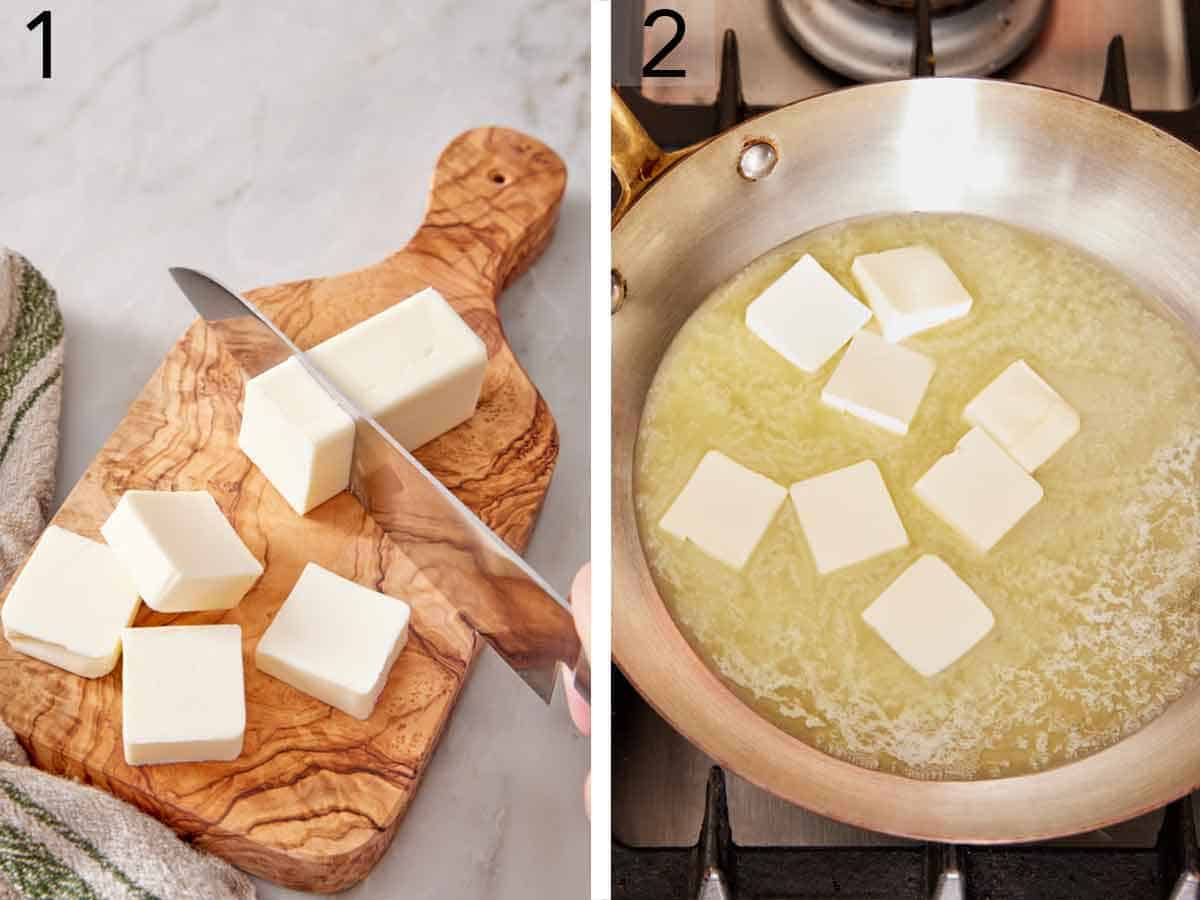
716,868
677,125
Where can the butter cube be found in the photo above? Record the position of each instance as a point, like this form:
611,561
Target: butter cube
180,550
335,640
910,289
806,315
417,367
848,516
1024,415
70,604
297,435
724,509
183,694
879,382
979,490
929,616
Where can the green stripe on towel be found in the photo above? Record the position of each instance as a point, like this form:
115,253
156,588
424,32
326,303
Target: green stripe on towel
25,406
39,329
32,869
63,830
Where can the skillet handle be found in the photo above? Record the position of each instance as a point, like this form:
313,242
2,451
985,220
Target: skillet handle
637,160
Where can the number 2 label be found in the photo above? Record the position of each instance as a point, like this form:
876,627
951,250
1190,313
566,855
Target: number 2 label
651,70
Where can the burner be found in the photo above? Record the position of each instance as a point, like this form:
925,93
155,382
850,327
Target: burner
872,40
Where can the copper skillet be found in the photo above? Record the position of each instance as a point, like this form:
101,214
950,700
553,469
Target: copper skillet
1049,161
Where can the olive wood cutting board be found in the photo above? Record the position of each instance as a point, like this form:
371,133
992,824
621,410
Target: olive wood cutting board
316,796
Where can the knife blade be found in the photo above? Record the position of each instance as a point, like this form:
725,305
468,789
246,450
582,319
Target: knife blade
493,589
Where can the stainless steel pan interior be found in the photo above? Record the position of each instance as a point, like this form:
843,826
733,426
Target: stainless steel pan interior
1044,160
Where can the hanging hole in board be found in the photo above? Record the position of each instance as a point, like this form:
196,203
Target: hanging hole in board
498,177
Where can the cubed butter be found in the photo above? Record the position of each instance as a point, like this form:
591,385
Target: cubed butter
929,616
183,694
806,315
297,435
880,382
417,367
910,289
1024,415
848,516
70,604
335,640
724,509
180,550
979,490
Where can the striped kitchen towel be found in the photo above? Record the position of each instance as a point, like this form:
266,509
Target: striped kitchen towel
64,841
31,360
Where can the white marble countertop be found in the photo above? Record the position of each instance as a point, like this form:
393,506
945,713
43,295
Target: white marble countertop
273,140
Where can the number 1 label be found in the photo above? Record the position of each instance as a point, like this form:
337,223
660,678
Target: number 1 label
42,21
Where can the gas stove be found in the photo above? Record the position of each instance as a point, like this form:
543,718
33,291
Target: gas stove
682,827
762,53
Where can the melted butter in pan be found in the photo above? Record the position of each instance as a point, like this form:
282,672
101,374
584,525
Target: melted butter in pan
1095,592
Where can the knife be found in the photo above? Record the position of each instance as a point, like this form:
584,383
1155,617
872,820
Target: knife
493,589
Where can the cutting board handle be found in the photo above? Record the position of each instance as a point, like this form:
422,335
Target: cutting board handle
493,205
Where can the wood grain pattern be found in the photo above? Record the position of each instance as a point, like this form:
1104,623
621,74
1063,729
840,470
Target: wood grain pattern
316,796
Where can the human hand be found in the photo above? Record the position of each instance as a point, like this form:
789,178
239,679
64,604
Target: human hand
580,709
